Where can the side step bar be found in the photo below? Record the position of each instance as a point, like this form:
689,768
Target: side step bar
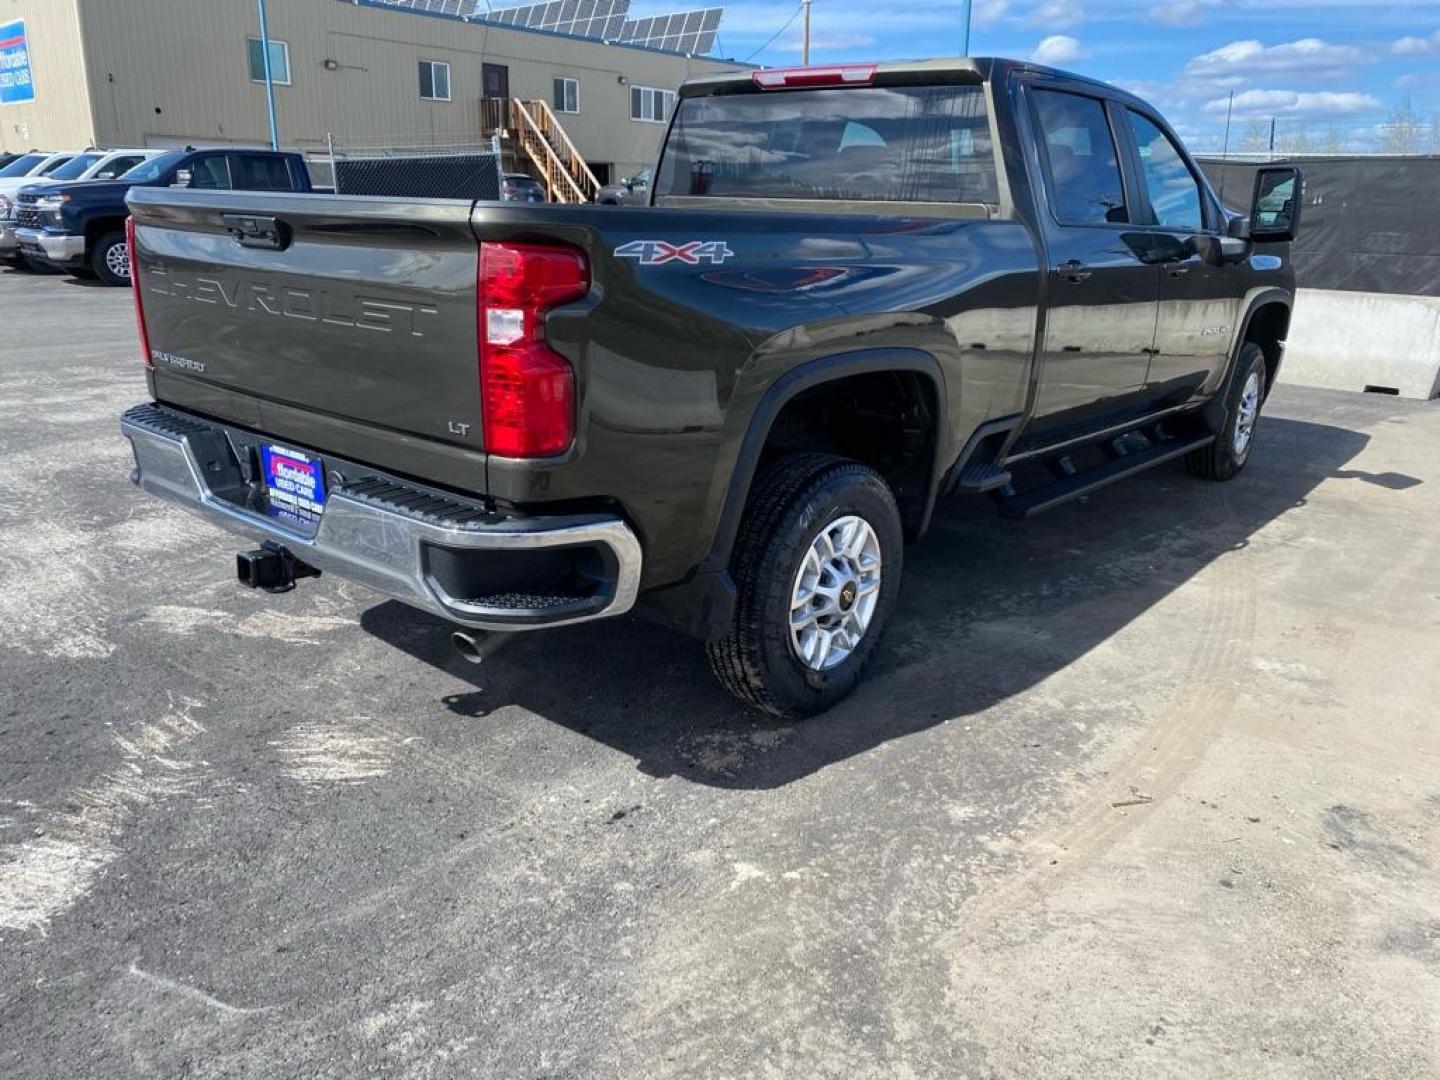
1029,503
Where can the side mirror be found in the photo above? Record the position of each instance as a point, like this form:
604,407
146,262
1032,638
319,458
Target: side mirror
183,178
1275,208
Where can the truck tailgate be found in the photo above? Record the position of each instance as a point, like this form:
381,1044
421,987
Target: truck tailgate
361,310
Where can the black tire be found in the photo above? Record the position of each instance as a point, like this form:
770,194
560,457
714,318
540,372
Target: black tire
790,505
103,262
1225,457
34,265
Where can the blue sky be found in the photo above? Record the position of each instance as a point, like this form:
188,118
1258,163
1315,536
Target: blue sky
1326,69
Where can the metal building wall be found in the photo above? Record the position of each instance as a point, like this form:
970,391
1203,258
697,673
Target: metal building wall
167,71
59,118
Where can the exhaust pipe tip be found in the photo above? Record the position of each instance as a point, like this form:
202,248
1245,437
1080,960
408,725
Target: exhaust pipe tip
468,645
476,645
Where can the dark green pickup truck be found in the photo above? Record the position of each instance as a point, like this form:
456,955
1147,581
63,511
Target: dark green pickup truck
856,289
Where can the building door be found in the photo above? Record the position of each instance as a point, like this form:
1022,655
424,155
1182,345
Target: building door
496,80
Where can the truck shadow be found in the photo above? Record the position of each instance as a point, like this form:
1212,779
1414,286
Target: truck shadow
990,608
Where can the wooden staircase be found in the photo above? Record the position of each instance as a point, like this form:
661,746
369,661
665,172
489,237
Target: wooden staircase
533,137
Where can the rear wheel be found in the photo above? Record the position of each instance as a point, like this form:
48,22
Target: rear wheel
110,259
1228,454
817,570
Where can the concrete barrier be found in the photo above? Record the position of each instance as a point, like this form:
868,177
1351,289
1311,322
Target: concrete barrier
1360,341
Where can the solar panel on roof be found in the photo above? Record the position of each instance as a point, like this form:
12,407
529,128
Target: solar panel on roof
680,31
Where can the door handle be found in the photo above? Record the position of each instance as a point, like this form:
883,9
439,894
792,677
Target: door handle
1179,271
1074,271
254,231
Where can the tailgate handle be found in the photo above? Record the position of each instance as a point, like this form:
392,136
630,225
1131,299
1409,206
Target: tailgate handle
255,231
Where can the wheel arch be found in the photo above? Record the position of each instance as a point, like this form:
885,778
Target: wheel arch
1273,306
810,376
1267,324
97,227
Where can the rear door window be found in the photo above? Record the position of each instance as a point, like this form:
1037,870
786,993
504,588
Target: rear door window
210,173
1085,188
886,144
260,172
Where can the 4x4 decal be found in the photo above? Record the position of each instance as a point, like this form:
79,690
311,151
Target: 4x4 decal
659,252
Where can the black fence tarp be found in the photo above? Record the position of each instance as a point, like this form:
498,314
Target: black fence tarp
1368,225
420,176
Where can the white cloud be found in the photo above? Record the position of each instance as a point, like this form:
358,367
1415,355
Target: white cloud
1417,46
1252,61
1057,49
1056,14
1295,103
1182,12
988,12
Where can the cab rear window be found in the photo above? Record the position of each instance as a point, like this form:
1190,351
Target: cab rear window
883,144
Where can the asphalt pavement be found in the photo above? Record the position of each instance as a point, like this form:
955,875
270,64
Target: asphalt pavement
1149,786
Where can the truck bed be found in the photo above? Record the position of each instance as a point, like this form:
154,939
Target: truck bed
357,334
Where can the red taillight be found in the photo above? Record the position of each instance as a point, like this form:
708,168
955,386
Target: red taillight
794,78
527,390
135,292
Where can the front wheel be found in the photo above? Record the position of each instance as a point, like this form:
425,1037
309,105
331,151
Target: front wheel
817,571
110,259
1227,455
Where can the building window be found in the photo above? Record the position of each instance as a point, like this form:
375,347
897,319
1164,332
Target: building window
567,95
434,80
651,105
279,61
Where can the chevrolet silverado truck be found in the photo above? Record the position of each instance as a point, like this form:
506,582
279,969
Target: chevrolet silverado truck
80,226
855,290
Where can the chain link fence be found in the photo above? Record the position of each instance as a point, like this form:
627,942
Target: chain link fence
451,171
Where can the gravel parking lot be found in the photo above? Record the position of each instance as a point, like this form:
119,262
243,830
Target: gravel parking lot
1147,787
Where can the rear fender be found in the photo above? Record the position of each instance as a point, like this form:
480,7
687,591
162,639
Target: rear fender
807,376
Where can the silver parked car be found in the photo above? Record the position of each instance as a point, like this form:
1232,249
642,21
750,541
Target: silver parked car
518,187
633,189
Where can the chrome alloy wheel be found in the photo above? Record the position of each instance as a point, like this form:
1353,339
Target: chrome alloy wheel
1248,413
117,261
835,593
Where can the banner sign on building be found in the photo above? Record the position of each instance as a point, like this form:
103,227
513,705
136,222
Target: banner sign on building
16,83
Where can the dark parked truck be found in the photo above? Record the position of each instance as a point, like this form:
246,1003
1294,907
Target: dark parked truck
857,289
80,226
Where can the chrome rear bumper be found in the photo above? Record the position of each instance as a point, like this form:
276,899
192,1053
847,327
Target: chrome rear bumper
385,534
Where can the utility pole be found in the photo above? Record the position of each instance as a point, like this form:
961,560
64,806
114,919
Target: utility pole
1229,112
805,41
1225,150
965,32
269,77
1272,136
